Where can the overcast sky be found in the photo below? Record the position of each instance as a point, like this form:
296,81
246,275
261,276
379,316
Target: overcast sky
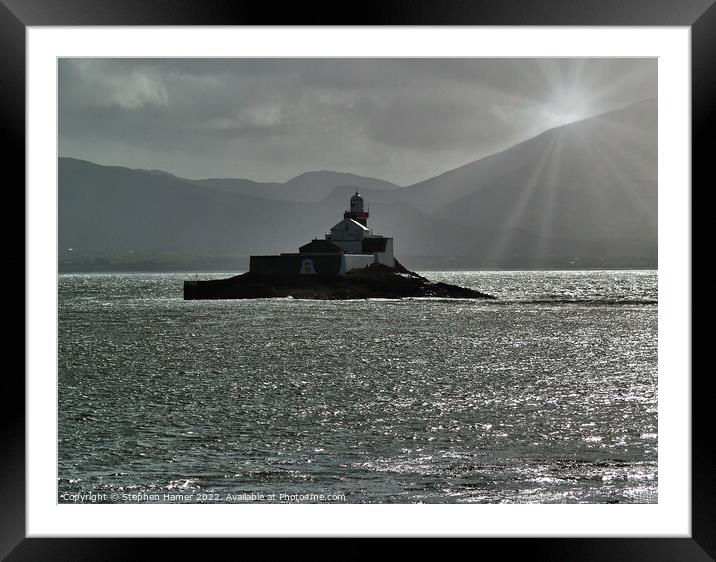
402,120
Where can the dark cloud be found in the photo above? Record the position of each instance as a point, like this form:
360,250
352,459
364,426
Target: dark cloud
271,119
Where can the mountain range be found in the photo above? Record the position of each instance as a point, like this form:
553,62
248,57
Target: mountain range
579,195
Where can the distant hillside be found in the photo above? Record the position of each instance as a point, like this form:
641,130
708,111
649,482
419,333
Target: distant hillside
591,180
115,209
309,186
112,208
584,193
571,151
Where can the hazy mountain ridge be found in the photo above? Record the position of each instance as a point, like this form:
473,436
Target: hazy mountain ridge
591,179
586,190
639,126
309,186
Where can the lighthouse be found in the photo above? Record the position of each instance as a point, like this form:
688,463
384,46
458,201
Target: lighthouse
349,245
357,211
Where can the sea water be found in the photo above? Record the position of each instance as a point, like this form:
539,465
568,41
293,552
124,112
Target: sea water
546,395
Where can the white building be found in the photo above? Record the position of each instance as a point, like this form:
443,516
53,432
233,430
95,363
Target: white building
348,235
360,246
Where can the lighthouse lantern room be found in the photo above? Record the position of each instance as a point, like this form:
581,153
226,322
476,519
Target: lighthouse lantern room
357,211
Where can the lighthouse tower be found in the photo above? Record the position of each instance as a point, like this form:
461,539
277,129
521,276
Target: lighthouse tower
357,212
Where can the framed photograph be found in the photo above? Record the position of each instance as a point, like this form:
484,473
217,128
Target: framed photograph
420,272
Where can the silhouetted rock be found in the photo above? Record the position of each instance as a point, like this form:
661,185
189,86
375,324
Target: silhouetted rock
374,281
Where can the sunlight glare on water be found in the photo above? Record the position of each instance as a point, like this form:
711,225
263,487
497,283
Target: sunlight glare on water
548,394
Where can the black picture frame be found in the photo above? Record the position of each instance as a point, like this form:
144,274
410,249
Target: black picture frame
17,15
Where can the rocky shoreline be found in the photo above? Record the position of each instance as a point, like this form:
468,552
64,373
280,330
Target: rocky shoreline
375,281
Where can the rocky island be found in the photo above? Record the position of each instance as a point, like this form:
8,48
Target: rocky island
373,281
350,263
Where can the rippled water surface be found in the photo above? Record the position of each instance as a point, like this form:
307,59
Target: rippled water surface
548,394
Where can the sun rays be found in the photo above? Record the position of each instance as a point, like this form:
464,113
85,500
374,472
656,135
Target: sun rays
573,184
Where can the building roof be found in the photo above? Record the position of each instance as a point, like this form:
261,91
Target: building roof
354,225
320,247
